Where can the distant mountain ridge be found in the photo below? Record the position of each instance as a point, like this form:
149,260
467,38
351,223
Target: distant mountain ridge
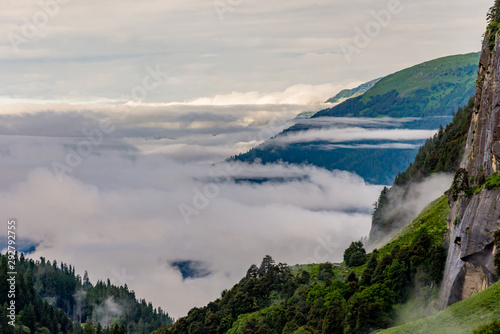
427,94
354,92
436,87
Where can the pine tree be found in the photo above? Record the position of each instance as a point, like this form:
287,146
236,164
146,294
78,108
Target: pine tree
267,263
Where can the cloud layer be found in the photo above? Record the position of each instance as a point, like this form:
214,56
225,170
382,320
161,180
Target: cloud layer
120,212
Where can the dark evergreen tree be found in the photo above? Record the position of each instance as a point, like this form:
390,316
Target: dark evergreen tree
267,263
355,255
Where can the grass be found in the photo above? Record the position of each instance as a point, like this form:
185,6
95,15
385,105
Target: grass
431,221
340,270
434,88
463,317
493,181
425,75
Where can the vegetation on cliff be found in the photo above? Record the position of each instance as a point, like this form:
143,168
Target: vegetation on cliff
440,154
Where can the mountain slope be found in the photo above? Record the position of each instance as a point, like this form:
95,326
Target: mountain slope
436,87
354,92
378,161
31,312
440,154
463,317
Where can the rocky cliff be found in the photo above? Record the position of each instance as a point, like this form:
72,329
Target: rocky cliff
475,210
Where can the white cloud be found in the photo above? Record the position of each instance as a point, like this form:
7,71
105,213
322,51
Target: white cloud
297,95
352,134
119,209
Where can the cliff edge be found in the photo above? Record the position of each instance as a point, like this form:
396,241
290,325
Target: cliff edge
475,209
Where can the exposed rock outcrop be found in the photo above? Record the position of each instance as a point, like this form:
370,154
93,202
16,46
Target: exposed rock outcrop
475,217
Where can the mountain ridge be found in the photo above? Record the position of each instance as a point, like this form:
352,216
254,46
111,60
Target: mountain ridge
429,88
354,92
376,164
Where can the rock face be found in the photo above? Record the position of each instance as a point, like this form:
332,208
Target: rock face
474,219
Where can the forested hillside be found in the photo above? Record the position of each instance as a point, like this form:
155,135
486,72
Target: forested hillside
440,154
51,298
329,298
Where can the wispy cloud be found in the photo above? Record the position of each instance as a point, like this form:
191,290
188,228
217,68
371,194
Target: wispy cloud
120,207
351,134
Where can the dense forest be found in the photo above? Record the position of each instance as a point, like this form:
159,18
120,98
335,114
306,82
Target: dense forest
52,299
440,154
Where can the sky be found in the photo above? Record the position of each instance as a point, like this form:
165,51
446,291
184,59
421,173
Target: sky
116,118
73,50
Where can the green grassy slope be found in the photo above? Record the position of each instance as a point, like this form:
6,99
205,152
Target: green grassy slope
463,317
431,221
436,87
428,74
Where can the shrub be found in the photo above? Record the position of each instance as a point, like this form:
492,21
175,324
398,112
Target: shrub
493,181
355,255
493,328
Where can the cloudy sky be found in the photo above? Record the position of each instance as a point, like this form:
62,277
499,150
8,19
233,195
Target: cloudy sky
126,189
125,192
101,50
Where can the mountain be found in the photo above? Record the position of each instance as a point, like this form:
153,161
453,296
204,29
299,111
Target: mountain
436,87
473,261
473,237
354,92
422,97
446,254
